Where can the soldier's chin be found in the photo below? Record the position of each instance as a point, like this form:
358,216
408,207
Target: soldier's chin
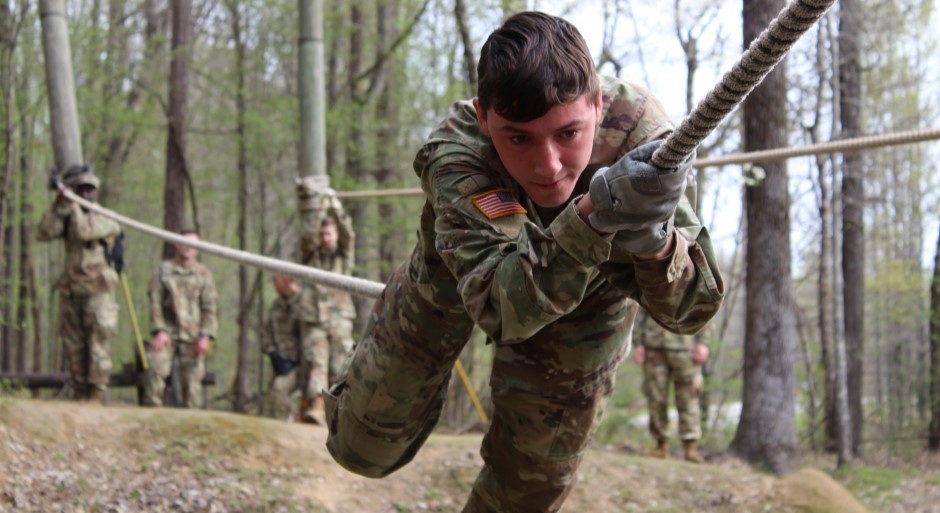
547,197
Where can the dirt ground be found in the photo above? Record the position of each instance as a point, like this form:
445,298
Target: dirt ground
68,457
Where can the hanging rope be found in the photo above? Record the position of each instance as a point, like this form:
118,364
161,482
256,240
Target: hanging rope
350,284
758,60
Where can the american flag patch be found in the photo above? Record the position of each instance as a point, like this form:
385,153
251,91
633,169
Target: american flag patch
498,203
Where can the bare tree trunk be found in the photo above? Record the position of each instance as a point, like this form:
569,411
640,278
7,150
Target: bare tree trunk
766,433
853,199
469,61
174,194
25,266
241,371
7,45
933,432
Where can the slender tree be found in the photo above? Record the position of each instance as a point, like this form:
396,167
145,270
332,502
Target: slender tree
933,432
853,202
174,194
240,395
766,433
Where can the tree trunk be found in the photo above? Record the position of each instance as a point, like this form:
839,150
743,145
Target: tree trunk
853,202
25,265
933,432
240,394
469,60
7,45
766,434
174,194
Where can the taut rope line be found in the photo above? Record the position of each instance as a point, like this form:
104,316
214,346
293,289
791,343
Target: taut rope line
838,146
350,284
758,60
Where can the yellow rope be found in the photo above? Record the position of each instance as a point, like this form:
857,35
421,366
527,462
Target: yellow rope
473,395
133,315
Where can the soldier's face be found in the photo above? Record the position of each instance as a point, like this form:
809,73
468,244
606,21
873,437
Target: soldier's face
88,192
185,253
329,237
546,155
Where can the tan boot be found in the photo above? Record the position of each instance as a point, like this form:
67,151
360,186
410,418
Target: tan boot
94,394
314,412
661,451
691,451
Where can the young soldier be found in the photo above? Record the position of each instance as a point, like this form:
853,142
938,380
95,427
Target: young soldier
525,234
88,310
183,322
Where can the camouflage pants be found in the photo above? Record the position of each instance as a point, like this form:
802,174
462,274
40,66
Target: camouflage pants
192,369
87,324
306,380
661,368
549,393
286,390
341,346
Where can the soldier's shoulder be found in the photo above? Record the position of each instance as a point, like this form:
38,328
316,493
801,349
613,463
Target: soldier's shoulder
457,141
202,270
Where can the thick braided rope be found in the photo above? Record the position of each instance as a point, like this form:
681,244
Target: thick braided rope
350,284
755,64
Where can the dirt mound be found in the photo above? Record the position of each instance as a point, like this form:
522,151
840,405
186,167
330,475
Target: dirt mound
58,456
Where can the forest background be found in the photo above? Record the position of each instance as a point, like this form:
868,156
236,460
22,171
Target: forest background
852,236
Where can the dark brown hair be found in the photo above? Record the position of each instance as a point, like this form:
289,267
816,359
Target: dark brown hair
531,63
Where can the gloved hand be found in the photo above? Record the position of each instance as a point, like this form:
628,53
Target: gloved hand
282,366
116,254
637,199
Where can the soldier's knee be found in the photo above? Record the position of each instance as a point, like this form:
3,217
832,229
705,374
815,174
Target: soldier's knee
366,448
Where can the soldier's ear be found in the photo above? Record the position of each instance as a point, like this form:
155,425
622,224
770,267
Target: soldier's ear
481,117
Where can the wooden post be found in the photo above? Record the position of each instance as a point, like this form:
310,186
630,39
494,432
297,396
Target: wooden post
312,90
63,112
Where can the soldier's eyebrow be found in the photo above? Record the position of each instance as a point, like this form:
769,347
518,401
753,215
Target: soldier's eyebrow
515,130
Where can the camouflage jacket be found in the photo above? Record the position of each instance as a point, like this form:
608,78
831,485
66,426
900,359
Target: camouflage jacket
333,301
651,335
89,238
287,322
520,271
183,301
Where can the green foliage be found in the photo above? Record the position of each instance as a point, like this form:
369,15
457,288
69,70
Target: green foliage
867,482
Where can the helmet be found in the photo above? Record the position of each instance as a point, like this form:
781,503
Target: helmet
84,178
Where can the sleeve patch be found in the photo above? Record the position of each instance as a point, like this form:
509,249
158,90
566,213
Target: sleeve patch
498,203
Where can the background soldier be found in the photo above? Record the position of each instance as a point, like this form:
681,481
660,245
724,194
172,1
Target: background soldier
88,314
298,348
183,321
669,358
336,306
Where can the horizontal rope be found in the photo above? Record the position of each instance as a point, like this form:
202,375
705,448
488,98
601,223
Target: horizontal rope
837,146
350,284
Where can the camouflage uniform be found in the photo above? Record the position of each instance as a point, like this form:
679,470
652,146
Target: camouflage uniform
182,304
293,331
336,310
542,285
669,359
88,314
